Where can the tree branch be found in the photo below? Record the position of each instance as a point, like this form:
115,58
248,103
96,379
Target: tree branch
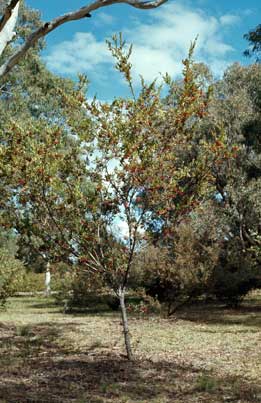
7,13
7,24
83,12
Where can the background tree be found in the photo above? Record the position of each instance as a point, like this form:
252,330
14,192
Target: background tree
231,267
235,108
254,39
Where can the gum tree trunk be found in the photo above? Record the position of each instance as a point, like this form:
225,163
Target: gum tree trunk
48,280
125,324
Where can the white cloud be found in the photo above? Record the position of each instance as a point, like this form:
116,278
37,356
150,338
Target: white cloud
229,19
159,44
82,54
104,19
120,228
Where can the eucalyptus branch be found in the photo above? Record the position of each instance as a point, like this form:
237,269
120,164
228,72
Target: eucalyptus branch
7,24
8,13
50,26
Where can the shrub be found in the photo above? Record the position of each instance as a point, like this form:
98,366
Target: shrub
11,275
206,383
177,271
198,261
233,277
143,304
77,288
31,282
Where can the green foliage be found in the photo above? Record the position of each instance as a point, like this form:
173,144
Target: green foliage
198,261
254,39
30,282
234,276
239,183
206,383
83,292
75,287
179,271
11,274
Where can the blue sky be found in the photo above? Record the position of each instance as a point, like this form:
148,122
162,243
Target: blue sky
160,38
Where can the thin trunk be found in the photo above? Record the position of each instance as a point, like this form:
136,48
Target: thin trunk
48,280
125,324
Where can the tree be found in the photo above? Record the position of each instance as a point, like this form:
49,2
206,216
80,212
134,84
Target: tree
29,92
254,39
10,16
109,165
236,108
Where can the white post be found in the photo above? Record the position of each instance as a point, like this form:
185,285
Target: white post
47,280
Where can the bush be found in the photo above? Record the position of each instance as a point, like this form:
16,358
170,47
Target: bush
233,277
11,275
178,272
76,288
206,383
31,282
112,302
79,289
198,261
142,304
162,280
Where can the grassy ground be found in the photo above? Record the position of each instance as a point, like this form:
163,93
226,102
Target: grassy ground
205,354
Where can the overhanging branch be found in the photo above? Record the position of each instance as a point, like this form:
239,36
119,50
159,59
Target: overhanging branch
48,27
7,13
8,23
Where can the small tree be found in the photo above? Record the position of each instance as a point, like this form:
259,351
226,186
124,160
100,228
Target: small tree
121,165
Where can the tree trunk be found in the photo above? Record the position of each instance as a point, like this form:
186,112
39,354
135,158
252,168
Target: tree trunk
47,280
125,325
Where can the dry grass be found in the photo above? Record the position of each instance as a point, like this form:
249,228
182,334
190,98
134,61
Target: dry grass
205,354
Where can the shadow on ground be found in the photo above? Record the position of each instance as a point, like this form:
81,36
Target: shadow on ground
35,367
247,315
